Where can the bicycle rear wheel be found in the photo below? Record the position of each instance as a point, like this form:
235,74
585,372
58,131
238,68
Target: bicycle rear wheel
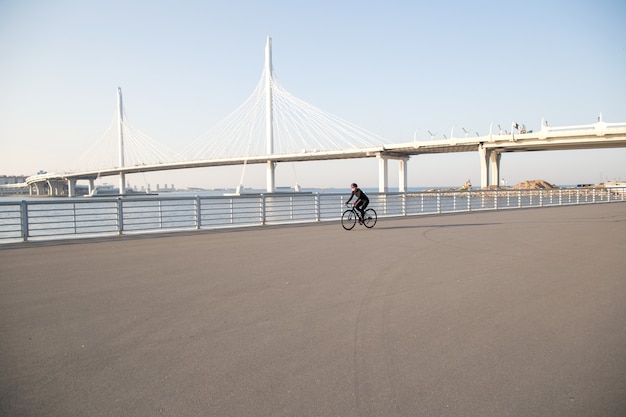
348,219
370,218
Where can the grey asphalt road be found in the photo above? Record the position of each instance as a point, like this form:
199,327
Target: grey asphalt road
507,313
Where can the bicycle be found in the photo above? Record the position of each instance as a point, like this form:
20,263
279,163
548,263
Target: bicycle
350,216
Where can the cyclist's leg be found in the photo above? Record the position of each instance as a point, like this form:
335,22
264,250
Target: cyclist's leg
359,210
362,207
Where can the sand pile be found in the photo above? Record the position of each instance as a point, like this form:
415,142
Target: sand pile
533,184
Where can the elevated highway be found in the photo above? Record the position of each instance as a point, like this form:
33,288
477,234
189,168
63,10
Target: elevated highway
599,135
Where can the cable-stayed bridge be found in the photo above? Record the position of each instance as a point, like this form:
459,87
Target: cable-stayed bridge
272,127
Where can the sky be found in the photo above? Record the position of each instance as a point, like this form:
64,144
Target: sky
396,68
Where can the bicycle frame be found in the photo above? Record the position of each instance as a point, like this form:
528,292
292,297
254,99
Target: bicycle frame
349,217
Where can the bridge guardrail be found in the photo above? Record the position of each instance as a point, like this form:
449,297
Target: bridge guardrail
42,219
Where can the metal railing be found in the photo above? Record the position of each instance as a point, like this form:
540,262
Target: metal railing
42,219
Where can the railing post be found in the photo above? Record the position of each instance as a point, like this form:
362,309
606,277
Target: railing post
198,209
262,202
24,219
519,198
438,202
495,200
540,198
74,218
317,207
403,196
469,200
120,217
160,214
560,196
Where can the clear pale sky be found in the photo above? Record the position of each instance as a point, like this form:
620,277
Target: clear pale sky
395,68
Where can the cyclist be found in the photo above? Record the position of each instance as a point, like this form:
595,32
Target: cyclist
361,200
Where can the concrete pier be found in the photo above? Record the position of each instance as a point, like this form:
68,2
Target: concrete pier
498,313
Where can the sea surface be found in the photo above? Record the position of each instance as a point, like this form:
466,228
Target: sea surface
211,193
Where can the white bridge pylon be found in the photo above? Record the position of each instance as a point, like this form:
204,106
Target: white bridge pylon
270,122
274,122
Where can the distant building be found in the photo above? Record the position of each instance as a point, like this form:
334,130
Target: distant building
8,184
12,179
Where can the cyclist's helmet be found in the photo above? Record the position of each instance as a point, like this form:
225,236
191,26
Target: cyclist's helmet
353,185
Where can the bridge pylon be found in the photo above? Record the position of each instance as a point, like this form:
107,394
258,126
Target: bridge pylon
120,120
269,117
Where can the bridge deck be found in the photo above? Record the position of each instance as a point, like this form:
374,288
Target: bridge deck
597,136
481,314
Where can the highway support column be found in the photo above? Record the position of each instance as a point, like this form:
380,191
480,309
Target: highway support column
494,162
383,180
403,174
71,188
484,155
271,175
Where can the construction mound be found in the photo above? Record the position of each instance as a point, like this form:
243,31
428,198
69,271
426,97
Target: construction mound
533,184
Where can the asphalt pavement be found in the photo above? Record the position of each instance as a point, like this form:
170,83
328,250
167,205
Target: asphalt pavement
497,313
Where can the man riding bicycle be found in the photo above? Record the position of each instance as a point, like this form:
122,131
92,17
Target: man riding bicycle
361,199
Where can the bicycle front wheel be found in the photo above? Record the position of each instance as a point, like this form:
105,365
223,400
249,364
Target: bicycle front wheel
348,219
370,218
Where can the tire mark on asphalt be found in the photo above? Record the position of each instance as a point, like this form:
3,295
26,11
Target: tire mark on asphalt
374,366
